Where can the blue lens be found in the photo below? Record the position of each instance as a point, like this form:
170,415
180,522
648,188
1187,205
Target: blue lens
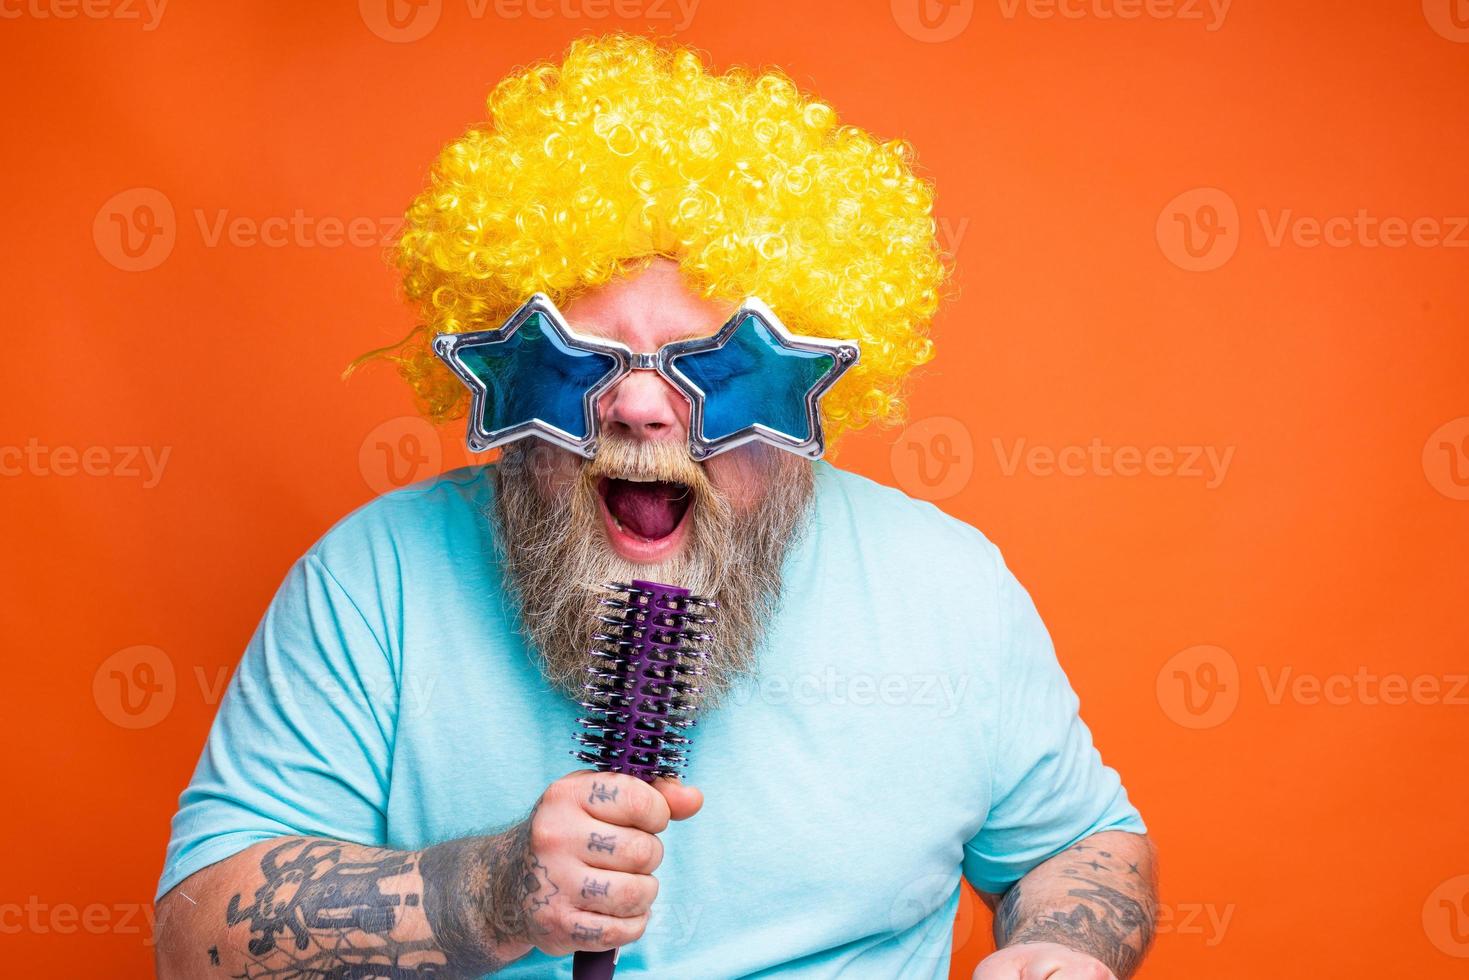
753,379
534,375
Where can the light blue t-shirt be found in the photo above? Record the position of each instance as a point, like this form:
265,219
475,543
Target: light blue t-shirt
908,722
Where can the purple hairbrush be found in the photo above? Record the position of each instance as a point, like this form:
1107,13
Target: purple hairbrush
642,694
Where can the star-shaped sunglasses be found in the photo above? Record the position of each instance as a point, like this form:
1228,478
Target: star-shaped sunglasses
751,381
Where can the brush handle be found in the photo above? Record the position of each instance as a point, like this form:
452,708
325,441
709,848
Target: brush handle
594,966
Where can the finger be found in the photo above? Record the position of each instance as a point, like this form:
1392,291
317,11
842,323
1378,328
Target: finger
998,967
615,893
620,799
594,931
1081,971
613,848
1041,967
683,801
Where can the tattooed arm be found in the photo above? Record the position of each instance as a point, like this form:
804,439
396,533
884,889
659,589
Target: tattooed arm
575,874
1089,907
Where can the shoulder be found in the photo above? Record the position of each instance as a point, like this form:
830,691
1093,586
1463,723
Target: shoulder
885,524
890,546
430,521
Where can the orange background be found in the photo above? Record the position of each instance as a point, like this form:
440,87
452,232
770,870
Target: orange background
1298,837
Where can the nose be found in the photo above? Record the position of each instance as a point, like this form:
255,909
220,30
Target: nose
644,406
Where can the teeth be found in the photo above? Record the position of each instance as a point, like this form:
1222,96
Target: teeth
630,478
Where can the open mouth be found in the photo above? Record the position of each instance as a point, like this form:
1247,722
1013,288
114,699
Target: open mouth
645,518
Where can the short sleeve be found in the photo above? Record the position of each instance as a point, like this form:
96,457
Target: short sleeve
302,740
1050,788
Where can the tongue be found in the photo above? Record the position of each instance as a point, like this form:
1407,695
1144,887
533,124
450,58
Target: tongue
649,510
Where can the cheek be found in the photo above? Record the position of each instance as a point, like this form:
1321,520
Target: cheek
742,474
555,470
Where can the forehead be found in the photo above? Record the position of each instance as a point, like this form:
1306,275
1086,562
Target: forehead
651,308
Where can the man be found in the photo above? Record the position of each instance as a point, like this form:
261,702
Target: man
384,792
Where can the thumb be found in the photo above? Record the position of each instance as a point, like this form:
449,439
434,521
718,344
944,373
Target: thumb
683,801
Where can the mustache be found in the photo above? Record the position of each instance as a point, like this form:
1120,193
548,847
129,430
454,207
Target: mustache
622,458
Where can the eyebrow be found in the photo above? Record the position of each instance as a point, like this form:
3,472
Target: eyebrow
694,333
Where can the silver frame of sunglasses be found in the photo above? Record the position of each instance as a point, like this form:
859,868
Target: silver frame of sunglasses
449,348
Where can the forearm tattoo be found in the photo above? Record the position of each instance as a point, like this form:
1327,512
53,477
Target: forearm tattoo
1107,912
331,911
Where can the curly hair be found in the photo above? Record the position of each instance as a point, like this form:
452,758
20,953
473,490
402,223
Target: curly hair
631,149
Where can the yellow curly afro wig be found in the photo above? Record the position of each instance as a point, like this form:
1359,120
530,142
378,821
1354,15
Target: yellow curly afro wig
631,149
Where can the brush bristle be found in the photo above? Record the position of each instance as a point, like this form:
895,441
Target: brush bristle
643,688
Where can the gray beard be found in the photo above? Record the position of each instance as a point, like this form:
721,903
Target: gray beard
557,560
